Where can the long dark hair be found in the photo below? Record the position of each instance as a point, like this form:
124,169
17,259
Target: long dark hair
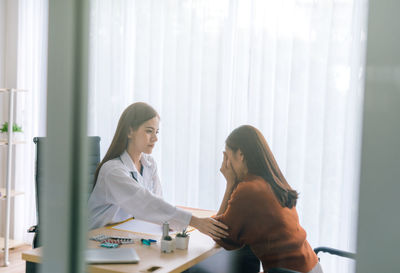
133,116
261,162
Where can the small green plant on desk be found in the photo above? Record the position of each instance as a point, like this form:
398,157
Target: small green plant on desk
167,244
182,234
167,238
182,240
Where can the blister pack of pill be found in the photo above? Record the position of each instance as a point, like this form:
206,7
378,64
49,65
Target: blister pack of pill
99,238
109,245
122,240
114,239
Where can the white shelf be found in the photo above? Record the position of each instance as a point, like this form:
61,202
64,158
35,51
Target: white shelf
11,243
13,194
6,90
5,142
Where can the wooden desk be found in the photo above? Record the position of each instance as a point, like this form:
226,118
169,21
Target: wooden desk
200,248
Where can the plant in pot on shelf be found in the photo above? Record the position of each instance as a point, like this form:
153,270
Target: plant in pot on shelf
17,132
182,239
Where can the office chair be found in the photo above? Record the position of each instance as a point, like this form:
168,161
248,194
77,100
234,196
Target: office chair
329,250
94,159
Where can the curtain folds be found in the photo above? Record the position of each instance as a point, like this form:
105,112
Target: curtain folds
294,69
32,76
24,66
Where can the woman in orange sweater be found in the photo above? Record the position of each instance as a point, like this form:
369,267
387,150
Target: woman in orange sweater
259,205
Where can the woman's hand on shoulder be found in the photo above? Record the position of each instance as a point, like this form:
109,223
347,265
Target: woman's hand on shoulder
227,170
211,227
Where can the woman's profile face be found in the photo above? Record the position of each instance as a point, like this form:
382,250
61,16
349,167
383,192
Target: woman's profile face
236,161
145,137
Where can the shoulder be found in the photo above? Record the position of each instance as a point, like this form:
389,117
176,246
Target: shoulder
252,184
112,166
251,188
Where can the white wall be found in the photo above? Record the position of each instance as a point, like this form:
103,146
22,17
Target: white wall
379,217
8,75
8,43
2,42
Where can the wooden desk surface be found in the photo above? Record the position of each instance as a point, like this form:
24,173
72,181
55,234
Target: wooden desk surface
200,248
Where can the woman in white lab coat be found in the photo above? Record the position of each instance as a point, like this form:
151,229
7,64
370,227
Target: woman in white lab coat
127,183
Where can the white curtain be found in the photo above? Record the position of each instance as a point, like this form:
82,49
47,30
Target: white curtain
25,67
294,69
32,76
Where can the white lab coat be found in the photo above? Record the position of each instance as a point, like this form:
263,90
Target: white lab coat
118,195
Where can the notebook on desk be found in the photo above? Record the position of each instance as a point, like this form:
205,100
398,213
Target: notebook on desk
111,256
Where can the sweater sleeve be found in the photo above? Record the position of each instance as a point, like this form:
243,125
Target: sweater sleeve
240,218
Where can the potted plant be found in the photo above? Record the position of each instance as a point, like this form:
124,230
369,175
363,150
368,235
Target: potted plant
167,244
182,240
17,130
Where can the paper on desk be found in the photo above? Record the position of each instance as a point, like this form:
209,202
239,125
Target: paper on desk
143,227
139,226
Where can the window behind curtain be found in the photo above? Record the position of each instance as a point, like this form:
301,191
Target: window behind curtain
294,69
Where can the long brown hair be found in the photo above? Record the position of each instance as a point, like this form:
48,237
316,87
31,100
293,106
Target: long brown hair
133,116
261,162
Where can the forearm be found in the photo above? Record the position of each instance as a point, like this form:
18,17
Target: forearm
210,227
227,196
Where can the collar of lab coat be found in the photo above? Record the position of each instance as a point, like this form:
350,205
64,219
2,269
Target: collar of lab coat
128,162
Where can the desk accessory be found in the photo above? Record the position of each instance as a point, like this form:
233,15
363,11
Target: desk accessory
182,240
109,245
148,241
122,240
111,255
112,239
167,243
99,238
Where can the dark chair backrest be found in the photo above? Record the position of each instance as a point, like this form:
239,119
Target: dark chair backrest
94,159
335,251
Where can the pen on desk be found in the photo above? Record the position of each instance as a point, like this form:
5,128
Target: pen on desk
148,241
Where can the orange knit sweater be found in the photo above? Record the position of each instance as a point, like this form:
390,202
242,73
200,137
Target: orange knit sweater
256,218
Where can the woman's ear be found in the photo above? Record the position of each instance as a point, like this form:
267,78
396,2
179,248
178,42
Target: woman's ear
241,155
131,133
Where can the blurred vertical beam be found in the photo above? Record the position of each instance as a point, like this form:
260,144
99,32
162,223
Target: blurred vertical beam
65,188
379,218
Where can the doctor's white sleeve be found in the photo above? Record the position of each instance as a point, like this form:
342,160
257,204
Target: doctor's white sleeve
134,199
